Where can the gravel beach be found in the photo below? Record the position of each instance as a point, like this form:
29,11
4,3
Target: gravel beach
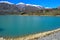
54,36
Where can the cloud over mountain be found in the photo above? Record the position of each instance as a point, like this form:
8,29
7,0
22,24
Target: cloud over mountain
20,3
28,4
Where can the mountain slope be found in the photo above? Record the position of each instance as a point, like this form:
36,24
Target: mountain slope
8,8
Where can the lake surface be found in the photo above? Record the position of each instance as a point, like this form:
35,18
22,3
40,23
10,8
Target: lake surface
14,26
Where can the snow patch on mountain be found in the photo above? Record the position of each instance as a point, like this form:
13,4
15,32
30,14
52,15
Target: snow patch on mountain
48,8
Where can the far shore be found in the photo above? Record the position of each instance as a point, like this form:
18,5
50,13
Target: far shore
30,15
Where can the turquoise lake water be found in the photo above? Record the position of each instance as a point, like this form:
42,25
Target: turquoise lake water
14,26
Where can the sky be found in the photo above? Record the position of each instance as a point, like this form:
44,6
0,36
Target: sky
45,3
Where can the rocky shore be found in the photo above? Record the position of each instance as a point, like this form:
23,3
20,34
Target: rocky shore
50,35
54,36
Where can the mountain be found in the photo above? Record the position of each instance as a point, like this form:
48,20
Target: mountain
21,6
6,8
29,7
10,8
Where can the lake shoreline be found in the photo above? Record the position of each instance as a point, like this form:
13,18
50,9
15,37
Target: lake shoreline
37,15
34,36
30,15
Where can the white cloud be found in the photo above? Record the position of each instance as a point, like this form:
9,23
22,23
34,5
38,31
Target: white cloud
48,8
36,5
32,5
29,4
6,2
20,3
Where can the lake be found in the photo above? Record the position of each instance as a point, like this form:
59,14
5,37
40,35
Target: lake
13,26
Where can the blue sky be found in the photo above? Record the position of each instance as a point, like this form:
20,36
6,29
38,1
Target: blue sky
45,3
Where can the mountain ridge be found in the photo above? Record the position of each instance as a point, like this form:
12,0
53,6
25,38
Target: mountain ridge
21,3
22,8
